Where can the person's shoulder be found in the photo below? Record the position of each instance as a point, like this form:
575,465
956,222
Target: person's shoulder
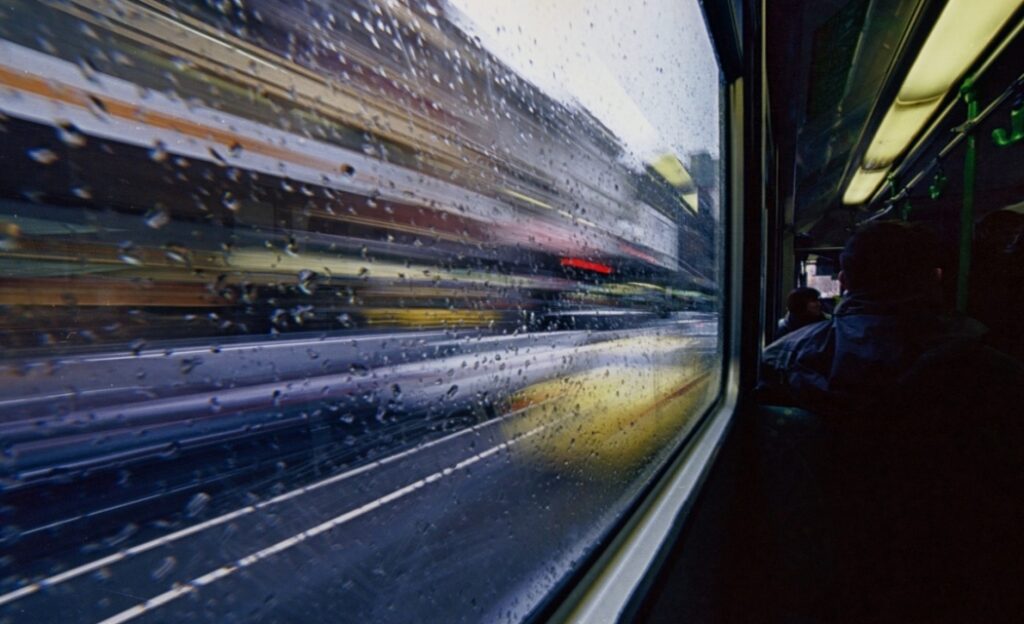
779,353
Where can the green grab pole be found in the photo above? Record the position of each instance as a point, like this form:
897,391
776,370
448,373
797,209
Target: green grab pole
967,211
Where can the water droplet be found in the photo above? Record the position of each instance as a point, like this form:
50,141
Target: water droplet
43,155
452,392
127,258
88,70
69,134
157,217
97,107
122,535
230,201
159,152
9,234
307,281
197,504
82,192
176,253
127,254
166,566
87,30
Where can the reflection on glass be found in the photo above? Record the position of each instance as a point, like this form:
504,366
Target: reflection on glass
361,310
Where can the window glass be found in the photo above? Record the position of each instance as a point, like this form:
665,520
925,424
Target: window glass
344,311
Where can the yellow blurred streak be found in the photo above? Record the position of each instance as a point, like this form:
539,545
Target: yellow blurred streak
428,317
255,264
256,260
91,292
628,288
528,199
607,420
669,167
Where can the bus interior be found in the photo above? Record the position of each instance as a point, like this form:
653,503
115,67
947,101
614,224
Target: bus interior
454,310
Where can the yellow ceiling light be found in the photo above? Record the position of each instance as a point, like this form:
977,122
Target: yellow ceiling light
863,185
964,29
899,127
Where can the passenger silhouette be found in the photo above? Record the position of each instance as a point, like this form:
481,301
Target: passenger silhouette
924,482
803,307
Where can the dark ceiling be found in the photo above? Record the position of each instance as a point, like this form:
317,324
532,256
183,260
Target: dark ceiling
829,64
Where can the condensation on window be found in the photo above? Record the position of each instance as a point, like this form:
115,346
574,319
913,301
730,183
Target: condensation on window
344,311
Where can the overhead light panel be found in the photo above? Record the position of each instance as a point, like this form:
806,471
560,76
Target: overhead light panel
863,185
963,31
899,127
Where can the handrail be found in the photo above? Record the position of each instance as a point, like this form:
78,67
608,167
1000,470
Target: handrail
961,133
924,139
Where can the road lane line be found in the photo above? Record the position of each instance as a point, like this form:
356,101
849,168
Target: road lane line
260,555
92,566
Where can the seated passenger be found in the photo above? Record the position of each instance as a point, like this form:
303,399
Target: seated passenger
890,323
803,307
925,480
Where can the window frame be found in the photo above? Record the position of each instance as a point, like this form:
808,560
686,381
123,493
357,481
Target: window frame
614,585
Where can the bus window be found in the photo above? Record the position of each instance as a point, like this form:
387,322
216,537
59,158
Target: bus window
345,310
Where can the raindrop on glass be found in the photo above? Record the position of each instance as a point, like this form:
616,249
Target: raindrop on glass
197,504
230,202
157,218
159,152
43,155
167,564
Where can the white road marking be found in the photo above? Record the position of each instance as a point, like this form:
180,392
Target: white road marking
253,346
260,555
92,566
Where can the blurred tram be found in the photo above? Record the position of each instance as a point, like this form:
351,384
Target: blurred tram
289,185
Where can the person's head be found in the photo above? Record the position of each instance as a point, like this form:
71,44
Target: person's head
804,303
891,258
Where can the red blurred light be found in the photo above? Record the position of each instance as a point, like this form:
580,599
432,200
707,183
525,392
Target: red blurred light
580,263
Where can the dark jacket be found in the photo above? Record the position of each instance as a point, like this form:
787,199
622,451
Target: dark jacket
870,351
790,323
924,428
